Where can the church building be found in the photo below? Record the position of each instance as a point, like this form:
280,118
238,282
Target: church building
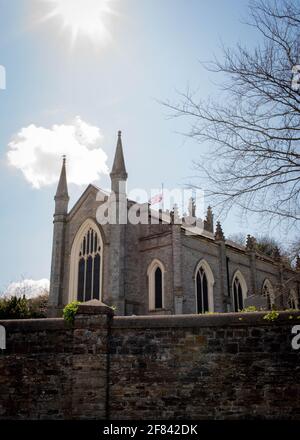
155,269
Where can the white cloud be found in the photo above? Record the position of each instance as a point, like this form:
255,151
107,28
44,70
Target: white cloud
29,288
37,151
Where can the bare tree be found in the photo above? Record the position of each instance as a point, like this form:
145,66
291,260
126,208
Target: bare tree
238,238
294,251
253,161
269,246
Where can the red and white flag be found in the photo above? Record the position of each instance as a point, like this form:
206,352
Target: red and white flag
156,199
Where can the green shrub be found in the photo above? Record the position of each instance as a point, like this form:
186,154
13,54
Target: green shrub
19,307
271,316
249,309
70,311
38,306
14,308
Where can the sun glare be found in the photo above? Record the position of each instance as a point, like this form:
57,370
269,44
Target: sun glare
82,17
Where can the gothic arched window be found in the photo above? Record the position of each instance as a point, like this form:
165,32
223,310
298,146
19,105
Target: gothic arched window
239,291
156,285
202,292
89,262
86,264
268,292
204,282
293,300
158,288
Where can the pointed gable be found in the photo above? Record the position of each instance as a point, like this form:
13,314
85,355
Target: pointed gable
119,168
62,187
91,190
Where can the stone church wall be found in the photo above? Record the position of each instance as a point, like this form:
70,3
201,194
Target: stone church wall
151,247
196,367
195,250
127,256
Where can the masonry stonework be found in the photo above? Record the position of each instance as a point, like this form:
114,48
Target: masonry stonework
51,370
223,366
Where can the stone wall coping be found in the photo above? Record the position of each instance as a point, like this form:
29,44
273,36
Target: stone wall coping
94,307
20,325
51,324
162,321
208,320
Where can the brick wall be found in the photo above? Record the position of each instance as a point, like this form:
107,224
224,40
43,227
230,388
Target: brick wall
188,366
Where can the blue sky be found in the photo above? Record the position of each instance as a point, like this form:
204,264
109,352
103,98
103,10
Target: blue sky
154,50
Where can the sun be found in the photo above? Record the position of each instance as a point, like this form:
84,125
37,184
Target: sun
82,17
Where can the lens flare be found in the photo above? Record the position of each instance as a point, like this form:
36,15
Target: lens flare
82,17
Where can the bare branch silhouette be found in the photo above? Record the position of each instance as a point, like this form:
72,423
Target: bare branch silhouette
253,134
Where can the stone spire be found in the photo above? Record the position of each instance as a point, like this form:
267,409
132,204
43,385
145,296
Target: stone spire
59,224
119,170
62,197
276,254
250,242
175,215
192,207
209,220
119,209
219,234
